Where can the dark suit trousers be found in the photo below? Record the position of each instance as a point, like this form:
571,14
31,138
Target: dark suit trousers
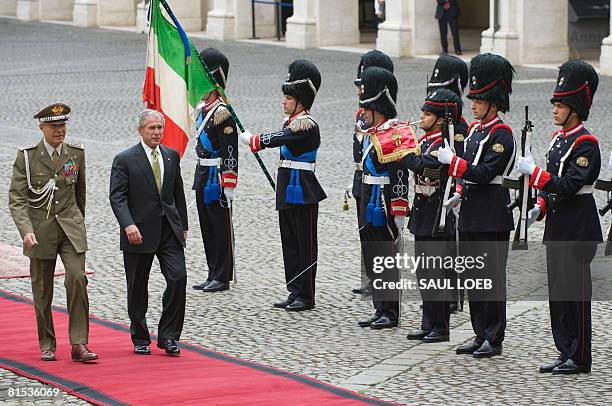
570,287
380,243
171,257
366,275
216,227
298,230
454,26
488,308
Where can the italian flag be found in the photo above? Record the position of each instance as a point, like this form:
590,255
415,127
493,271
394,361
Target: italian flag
175,81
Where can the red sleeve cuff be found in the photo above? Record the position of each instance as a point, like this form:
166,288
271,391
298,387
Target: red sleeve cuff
400,207
457,167
539,178
542,203
459,189
255,143
229,179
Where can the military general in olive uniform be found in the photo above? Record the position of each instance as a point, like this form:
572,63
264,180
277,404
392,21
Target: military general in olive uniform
47,202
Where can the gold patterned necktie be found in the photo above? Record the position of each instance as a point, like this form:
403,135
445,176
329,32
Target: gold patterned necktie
55,159
156,170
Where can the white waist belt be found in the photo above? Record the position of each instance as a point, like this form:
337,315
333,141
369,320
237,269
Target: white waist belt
209,162
305,166
358,166
496,181
424,190
586,190
376,180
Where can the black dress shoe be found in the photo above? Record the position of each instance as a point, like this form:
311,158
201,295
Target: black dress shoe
298,306
283,304
570,367
363,290
487,350
142,350
368,322
170,346
435,337
468,348
545,368
216,286
458,52
384,322
201,285
417,335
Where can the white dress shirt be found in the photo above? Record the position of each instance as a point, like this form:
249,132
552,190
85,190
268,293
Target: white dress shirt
149,151
50,148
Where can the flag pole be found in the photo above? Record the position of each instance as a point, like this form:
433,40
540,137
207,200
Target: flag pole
218,88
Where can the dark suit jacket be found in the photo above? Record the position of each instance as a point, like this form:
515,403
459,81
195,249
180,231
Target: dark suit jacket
135,199
454,10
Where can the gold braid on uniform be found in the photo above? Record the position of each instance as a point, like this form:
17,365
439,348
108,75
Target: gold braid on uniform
221,114
302,124
44,194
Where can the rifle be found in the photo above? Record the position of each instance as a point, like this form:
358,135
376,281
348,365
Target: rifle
443,207
606,185
525,199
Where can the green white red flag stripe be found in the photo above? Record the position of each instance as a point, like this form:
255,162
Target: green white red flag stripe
174,83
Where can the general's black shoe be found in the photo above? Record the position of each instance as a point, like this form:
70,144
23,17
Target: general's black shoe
384,322
142,350
417,335
368,322
487,350
298,306
569,367
216,286
468,348
170,346
201,285
283,304
435,337
545,368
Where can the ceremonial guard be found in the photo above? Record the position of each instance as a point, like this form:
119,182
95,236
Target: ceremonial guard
216,176
372,58
424,223
485,221
572,229
384,189
298,191
47,201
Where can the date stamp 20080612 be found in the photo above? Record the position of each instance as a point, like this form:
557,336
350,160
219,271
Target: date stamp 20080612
24,392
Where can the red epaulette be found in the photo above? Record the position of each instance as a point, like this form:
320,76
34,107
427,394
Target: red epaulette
472,126
501,126
585,138
359,111
554,133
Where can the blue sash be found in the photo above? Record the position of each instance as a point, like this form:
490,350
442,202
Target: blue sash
294,193
212,190
374,212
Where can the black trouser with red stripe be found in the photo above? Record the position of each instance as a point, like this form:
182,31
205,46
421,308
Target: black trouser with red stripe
487,307
298,230
569,289
216,227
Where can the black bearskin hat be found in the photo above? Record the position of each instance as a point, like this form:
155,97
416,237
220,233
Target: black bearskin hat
441,100
449,72
491,80
373,58
378,91
218,65
576,86
303,81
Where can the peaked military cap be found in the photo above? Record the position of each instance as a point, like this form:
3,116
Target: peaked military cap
491,79
373,58
442,100
218,65
57,113
303,81
576,86
379,91
449,72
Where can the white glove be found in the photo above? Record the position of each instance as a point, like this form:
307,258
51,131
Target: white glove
454,201
533,214
526,165
349,191
245,137
400,221
229,193
445,154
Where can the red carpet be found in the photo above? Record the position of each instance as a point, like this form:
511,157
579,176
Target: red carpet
198,376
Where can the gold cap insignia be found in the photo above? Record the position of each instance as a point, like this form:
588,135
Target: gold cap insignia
459,137
499,148
228,130
57,110
582,161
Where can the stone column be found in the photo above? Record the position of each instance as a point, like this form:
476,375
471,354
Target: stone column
220,21
117,12
8,7
55,9
605,59
337,22
506,38
394,35
487,36
302,25
188,13
425,31
85,13
542,27
27,10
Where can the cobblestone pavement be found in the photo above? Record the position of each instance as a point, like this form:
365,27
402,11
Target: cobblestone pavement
99,74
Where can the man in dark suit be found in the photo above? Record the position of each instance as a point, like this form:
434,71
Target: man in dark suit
447,13
146,194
